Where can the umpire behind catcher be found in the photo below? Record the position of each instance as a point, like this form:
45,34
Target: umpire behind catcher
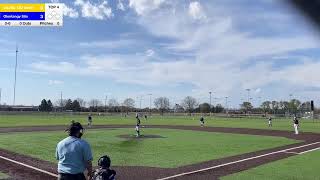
74,155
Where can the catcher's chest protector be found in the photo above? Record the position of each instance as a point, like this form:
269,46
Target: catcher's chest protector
104,174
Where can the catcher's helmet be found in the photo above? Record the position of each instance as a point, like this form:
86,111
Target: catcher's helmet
104,161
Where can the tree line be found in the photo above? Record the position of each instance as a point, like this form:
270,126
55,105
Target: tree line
162,105
293,106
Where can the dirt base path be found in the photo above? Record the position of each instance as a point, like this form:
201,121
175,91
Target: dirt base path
212,169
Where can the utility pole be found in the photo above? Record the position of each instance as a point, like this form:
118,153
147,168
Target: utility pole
0,95
226,104
150,104
210,102
15,77
289,109
136,104
61,101
259,103
248,94
140,101
105,104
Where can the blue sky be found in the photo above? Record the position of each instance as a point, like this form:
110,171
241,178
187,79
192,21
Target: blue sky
173,48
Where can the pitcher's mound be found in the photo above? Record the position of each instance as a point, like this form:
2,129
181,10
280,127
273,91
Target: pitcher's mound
146,136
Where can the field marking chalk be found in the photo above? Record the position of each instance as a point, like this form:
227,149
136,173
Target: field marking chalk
234,162
28,166
291,152
310,150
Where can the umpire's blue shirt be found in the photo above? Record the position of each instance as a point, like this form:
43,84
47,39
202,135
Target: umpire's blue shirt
73,154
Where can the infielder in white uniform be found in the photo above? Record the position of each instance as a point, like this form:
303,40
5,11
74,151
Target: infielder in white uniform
202,121
89,120
296,125
270,122
138,125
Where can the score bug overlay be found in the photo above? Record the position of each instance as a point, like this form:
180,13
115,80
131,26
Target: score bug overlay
48,14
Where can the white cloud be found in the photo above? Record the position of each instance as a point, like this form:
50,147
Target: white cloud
67,11
109,44
121,6
149,53
257,91
143,7
61,67
134,69
97,11
219,51
70,12
196,11
33,72
55,82
305,74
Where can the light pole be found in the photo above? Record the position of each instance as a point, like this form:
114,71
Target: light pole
259,100
136,104
140,101
226,104
15,77
61,101
150,104
210,102
248,94
290,106
105,104
139,98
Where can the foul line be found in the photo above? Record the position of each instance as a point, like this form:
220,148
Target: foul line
234,162
292,152
309,150
187,173
28,166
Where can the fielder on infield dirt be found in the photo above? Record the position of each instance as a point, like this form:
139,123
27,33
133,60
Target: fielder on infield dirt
202,121
89,120
270,122
296,125
138,125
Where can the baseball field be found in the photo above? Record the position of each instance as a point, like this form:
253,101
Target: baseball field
171,147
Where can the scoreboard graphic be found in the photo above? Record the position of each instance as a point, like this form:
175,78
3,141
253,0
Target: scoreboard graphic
48,14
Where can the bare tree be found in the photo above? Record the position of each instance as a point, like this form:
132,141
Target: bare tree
178,108
294,105
162,103
266,106
60,103
275,106
95,103
113,103
246,107
128,104
305,107
189,103
81,102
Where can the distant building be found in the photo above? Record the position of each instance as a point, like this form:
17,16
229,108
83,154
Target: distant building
18,108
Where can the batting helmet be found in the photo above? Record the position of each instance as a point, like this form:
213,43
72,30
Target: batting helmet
104,161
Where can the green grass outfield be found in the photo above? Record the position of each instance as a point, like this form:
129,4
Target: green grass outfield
178,148
255,123
300,167
3,176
